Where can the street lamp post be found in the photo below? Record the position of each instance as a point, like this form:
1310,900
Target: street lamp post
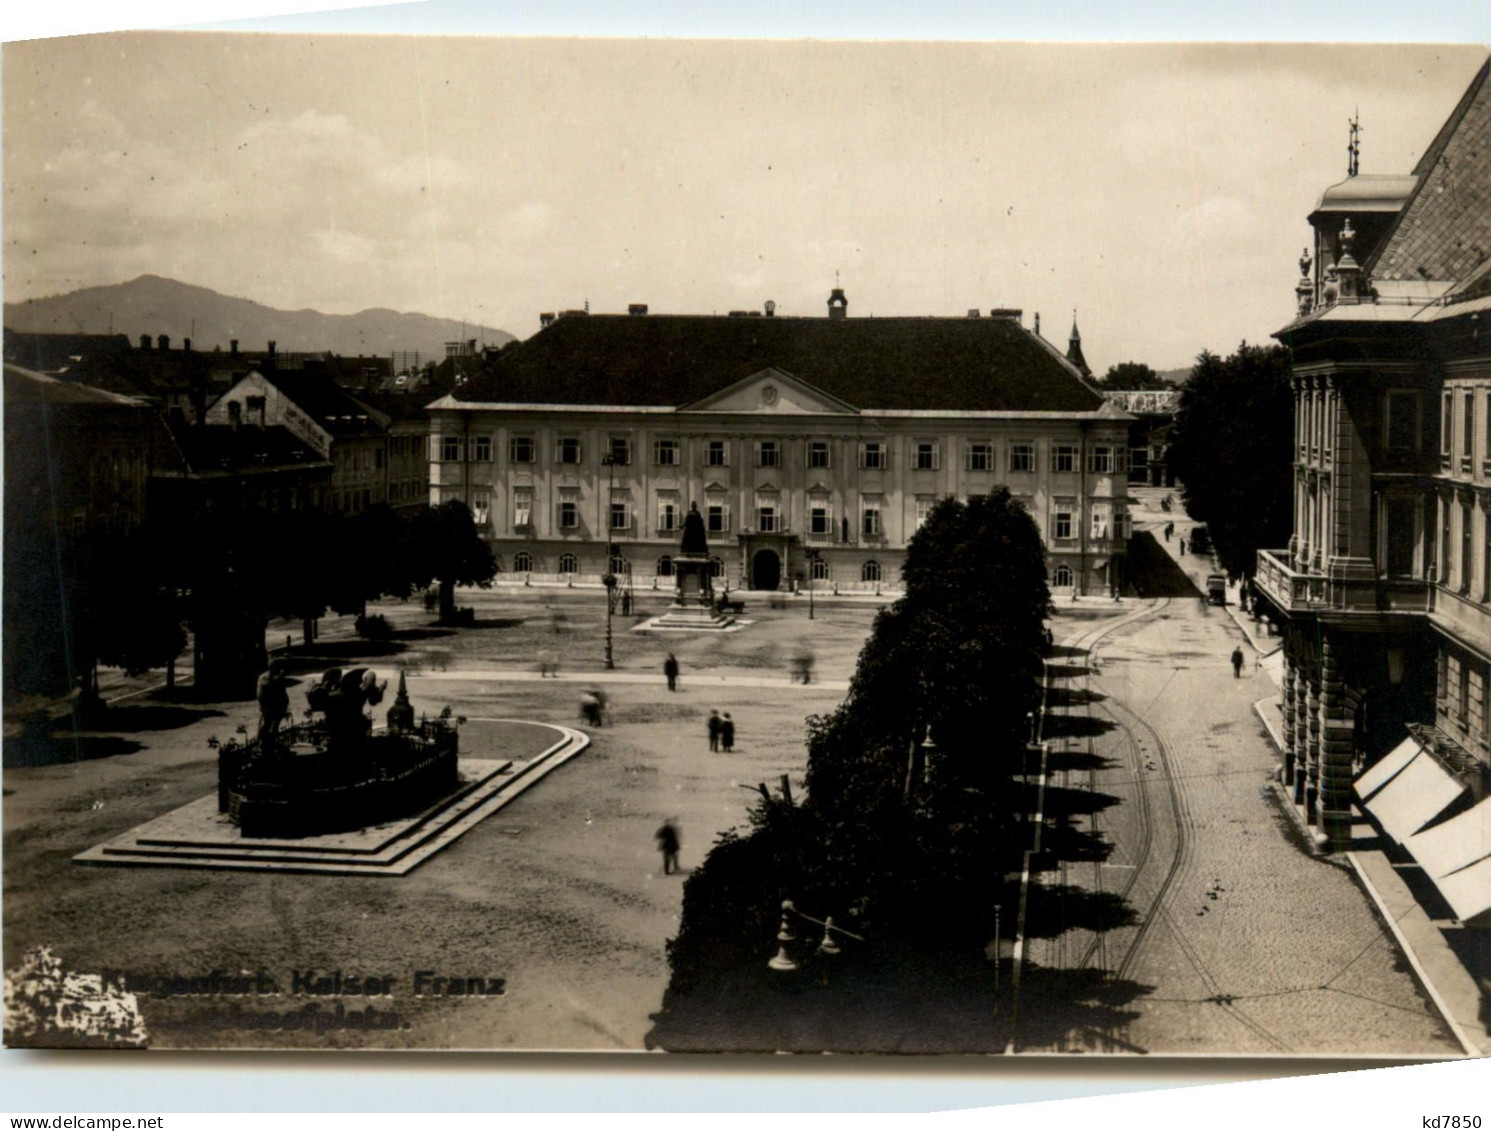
813,559
608,579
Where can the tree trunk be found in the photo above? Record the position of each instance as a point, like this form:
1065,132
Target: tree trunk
171,674
447,601
308,630
913,772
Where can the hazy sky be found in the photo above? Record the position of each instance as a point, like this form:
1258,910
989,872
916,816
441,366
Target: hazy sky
1160,191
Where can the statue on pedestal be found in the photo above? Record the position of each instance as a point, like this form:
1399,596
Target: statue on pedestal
341,697
274,705
692,567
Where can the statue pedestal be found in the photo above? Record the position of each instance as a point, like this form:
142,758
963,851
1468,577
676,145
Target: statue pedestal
693,605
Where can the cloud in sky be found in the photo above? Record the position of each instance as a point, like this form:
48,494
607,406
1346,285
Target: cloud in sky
1160,191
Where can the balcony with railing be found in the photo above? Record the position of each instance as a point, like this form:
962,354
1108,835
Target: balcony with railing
1344,587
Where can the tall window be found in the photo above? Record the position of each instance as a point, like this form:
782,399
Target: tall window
667,514
568,563
820,517
520,449
569,510
1467,430
1402,422
820,570
766,513
567,450
1062,578
717,516
620,449
1022,457
817,453
450,448
768,453
716,567
716,454
522,508
1061,521
621,511
870,571
481,506
665,566
1099,524
1100,462
1446,425
1063,458
665,453
927,456
869,516
924,505
522,562
872,454
1444,541
481,449
1467,558
980,457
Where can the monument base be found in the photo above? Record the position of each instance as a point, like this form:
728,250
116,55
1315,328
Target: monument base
692,618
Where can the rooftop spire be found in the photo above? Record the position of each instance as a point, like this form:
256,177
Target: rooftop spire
1354,146
1074,348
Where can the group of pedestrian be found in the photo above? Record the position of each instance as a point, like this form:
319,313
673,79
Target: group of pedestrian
721,732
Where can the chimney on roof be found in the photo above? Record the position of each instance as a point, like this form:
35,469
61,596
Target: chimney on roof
838,305
233,347
771,309
271,347
1006,313
1037,326
973,312
186,344
637,308
546,319
145,341
163,342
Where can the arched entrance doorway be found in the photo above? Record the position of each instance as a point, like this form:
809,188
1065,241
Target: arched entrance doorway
766,570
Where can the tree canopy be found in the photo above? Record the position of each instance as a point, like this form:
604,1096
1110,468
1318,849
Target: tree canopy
1232,449
893,824
1133,375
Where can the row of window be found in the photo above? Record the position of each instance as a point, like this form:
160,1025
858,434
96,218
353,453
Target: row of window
769,519
1458,556
1461,695
872,454
1457,430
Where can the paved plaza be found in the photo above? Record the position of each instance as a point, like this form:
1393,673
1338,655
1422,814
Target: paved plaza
1239,941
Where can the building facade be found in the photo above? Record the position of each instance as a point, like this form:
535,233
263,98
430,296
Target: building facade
812,447
1384,592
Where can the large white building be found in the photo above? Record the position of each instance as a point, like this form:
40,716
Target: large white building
813,447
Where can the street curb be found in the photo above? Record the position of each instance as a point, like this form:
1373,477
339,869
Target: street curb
1405,947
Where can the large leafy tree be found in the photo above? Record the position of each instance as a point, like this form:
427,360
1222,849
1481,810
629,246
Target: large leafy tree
893,825
1231,448
447,548
1133,375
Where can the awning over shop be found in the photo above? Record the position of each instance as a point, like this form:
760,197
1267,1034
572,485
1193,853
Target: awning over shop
1456,855
1410,792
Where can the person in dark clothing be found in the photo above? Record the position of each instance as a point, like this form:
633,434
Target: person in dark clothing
1182,545
1237,662
715,725
667,842
1169,530
727,733
670,671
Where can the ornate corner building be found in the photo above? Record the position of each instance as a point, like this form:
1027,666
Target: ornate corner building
813,446
1385,588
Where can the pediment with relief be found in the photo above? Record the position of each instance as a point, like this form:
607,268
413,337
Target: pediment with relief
772,392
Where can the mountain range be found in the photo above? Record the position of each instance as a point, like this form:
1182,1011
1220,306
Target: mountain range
154,305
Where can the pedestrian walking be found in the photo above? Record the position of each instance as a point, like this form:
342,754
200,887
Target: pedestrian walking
670,671
1237,662
548,664
802,667
626,604
715,725
727,733
590,708
668,840
1169,530
1182,545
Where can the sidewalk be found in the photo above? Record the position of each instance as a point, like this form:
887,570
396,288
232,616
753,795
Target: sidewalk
1446,982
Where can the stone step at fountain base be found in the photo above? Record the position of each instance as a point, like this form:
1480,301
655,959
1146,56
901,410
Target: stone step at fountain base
197,836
